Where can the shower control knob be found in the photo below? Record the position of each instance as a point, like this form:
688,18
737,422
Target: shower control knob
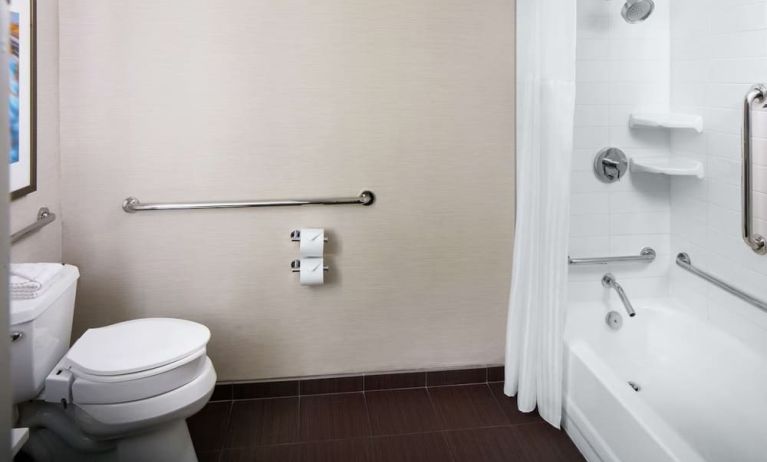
610,165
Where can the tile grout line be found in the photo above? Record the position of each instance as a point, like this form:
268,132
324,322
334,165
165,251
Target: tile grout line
443,424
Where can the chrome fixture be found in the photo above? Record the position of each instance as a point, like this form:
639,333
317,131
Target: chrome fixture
16,336
295,266
610,165
614,320
295,236
609,282
684,261
44,218
647,254
132,204
635,11
755,241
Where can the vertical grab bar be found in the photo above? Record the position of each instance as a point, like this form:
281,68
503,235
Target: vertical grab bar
753,240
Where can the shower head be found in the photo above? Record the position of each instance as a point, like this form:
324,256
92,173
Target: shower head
635,11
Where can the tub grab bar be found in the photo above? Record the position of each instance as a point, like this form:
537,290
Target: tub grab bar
44,218
647,254
132,205
752,239
684,261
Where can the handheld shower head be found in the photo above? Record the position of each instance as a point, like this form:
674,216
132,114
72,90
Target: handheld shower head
635,11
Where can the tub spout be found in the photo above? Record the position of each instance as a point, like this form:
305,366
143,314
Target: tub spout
608,280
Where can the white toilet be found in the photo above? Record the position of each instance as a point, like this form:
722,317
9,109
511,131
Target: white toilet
120,393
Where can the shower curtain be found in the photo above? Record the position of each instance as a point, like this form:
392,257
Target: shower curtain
546,32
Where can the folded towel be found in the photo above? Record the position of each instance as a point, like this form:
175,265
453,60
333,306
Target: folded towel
30,280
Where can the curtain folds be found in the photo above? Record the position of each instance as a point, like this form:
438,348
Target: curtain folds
546,35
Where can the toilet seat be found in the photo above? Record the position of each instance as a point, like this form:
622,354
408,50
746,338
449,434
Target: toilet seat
130,361
135,346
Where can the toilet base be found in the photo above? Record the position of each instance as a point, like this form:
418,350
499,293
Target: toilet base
163,443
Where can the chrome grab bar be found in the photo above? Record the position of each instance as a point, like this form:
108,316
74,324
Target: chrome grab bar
684,261
131,204
647,254
44,218
755,241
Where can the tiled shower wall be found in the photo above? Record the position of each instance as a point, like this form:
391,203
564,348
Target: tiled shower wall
622,68
717,52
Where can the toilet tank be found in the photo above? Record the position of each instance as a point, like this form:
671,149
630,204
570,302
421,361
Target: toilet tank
40,333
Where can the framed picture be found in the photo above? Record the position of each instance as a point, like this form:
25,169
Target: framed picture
22,113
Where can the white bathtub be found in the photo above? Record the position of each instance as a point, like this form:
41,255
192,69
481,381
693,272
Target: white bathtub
702,397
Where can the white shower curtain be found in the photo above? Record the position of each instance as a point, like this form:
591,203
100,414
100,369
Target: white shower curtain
546,32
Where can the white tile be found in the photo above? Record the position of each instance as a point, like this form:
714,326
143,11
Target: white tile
640,223
589,225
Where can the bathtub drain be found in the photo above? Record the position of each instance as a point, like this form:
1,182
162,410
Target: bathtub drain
634,386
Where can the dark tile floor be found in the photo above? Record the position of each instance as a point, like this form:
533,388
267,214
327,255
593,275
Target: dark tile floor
451,423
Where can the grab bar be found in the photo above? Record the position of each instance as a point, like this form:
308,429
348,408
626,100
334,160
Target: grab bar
684,261
753,240
44,218
647,254
131,204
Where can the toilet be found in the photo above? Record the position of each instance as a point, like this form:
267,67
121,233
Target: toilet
120,393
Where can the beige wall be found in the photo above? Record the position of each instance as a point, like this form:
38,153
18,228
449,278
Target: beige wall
46,244
200,100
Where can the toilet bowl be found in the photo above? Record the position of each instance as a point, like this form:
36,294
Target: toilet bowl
120,393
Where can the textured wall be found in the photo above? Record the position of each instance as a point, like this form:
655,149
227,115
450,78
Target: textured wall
184,100
45,245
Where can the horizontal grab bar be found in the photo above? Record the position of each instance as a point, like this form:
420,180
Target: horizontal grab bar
647,254
44,218
132,204
684,261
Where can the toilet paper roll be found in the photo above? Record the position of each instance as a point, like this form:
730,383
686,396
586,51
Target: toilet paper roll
312,271
312,242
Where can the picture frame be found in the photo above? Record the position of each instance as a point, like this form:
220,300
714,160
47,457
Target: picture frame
23,98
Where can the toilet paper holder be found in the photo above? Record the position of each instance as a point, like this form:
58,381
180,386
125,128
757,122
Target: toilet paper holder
295,236
295,266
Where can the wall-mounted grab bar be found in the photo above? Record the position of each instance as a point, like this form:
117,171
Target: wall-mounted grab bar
755,241
132,204
684,261
647,254
44,218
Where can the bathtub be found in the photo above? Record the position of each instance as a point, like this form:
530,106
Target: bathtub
698,394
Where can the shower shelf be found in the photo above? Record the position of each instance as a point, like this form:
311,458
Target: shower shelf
674,166
666,120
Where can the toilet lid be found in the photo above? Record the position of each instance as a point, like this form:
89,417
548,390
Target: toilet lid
137,345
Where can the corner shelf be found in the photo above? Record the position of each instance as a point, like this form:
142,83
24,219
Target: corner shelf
674,166
666,120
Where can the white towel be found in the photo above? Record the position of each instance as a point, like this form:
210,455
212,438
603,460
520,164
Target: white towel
30,280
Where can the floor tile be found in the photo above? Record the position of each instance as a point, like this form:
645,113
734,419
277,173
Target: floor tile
208,456
333,385
326,451
542,442
496,374
207,427
396,412
265,390
284,453
487,445
456,377
334,417
263,422
509,406
392,381
425,447
222,393
467,406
